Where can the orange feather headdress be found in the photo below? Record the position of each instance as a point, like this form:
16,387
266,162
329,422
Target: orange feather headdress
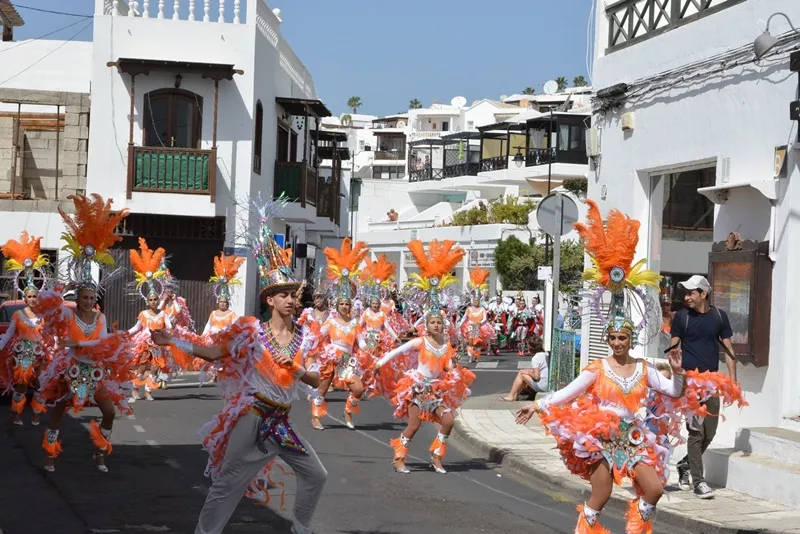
25,257
611,247
478,278
91,231
435,276
376,274
225,270
149,269
343,268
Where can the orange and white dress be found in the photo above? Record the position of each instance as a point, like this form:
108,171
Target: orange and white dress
476,329
145,350
627,420
178,313
217,322
22,355
100,368
311,321
379,336
398,323
341,358
433,382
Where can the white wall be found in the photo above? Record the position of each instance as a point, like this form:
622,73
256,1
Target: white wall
47,65
741,115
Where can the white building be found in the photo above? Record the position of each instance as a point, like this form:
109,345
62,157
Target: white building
697,142
459,157
194,111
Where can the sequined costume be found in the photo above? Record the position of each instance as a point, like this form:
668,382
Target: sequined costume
476,331
22,358
624,421
147,353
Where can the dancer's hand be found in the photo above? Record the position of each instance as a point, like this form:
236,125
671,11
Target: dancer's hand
525,413
69,343
160,337
282,359
676,360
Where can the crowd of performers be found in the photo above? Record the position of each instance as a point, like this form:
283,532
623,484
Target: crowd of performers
619,418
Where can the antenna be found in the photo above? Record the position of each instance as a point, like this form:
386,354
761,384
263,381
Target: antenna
458,102
550,87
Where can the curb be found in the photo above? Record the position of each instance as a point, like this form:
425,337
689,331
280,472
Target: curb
579,491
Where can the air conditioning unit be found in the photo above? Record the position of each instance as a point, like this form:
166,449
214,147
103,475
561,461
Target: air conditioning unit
593,142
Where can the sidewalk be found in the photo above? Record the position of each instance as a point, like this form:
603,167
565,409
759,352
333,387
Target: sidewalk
488,426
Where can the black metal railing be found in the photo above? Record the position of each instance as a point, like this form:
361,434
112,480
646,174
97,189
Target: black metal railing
461,169
497,163
540,156
423,175
631,21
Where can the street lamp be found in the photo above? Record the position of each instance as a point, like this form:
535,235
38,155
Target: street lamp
519,159
766,41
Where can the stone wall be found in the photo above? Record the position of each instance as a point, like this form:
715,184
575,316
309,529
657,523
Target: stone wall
50,155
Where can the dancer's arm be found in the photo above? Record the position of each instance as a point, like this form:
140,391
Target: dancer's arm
207,328
562,396
414,344
389,328
672,387
167,321
137,327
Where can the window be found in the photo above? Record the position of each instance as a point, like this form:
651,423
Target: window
258,138
387,172
445,126
470,125
360,144
684,207
172,118
283,145
571,137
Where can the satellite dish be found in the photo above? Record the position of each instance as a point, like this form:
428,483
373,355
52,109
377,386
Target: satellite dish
458,102
401,124
551,87
503,97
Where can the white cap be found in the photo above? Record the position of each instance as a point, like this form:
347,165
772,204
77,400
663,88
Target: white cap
696,282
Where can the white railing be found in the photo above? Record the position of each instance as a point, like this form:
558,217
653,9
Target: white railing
425,135
191,10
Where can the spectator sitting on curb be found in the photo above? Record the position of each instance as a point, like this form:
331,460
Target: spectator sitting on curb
532,380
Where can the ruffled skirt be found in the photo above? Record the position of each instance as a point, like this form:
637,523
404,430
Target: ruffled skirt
477,334
429,394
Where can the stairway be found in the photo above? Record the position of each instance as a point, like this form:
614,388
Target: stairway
764,463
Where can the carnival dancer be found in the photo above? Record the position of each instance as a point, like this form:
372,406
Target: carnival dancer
497,312
342,362
262,371
89,364
475,327
602,423
22,355
175,307
153,363
398,323
522,323
315,316
435,386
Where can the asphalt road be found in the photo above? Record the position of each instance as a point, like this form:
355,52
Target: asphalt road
156,481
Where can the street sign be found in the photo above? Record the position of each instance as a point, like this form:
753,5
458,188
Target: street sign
545,272
546,214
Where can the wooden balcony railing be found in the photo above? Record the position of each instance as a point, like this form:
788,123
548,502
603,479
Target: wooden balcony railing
172,170
540,156
296,181
497,163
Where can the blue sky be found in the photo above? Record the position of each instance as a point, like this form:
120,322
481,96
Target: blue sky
388,52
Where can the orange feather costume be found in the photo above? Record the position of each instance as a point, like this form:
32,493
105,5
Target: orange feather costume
624,421
475,327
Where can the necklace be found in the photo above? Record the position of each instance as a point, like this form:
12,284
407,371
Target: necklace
272,344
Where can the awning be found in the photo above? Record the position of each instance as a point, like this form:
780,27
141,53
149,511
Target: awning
718,194
213,71
299,106
10,15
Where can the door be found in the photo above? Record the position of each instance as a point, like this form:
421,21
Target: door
173,119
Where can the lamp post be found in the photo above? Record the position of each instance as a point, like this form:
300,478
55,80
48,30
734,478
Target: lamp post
550,148
766,41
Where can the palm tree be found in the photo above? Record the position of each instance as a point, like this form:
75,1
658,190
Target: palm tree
579,81
528,91
414,104
354,102
562,84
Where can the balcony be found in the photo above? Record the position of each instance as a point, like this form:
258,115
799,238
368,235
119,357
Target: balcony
462,169
632,21
296,181
172,170
424,175
540,156
496,163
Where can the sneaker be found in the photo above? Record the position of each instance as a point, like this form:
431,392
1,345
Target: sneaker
684,478
702,491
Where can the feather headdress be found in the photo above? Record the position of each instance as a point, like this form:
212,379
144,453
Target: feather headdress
343,268
225,270
376,275
149,270
478,281
24,257
435,276
611,249
274,263
90,233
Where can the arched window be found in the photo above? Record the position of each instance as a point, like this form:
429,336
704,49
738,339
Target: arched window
172,118
258,138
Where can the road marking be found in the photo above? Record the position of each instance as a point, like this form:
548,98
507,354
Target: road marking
494,370
151,442
139,428
481,484
524,365
486,365
172,463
